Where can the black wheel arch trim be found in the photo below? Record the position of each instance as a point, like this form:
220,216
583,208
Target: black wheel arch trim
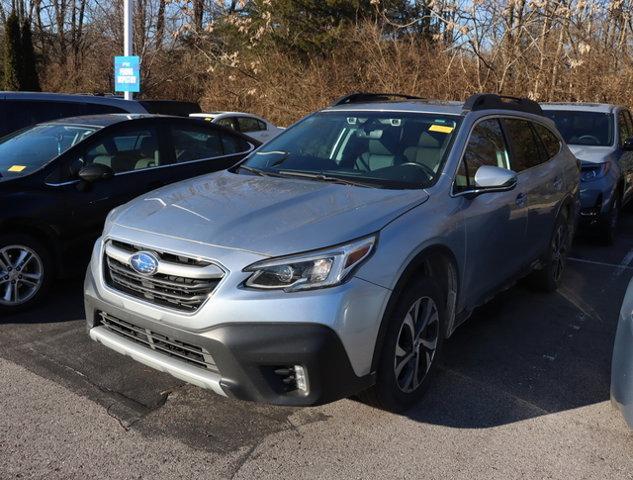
46,234
413,267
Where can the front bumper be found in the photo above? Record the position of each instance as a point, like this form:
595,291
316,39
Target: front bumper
596,198
622,367
330,333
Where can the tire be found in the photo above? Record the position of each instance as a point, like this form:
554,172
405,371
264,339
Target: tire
548,279
26,272
396,388
612,221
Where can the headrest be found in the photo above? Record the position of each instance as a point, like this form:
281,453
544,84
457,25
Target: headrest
388,144
148,146
428,141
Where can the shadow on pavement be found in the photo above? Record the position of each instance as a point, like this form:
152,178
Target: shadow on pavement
528,354
64,303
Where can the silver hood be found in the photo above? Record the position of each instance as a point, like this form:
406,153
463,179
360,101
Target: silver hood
591,154
267,215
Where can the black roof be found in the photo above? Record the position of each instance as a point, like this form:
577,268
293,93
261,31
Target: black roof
104,120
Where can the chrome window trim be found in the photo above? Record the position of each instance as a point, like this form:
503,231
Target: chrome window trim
497,116
71,182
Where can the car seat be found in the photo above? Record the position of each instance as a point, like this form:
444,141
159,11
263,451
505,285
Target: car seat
148,151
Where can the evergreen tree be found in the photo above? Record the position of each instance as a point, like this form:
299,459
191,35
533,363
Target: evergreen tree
12,53
29,80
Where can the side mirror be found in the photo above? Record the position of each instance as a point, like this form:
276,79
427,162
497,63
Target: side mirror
94,172
628,144
495,179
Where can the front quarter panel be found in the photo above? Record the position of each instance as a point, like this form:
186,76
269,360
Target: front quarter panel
435,223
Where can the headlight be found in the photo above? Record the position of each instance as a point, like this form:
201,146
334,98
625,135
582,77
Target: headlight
590,173
324,268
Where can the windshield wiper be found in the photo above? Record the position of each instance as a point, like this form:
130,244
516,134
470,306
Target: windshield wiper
326,178
259,172
255,171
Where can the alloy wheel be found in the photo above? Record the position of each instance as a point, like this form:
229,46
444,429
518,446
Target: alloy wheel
416,344
21,274
559,251
615,215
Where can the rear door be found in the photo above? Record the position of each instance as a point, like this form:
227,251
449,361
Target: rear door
495,222
197,148
542,178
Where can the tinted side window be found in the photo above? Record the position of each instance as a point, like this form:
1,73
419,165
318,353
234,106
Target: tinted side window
623,127
234,144
192,143
629,121
486,146
549,140
248,124
523,144
227,122
126,150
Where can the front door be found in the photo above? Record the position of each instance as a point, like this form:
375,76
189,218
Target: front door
136,155
495,222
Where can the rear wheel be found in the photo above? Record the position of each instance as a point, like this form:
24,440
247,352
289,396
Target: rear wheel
412,347
612,221
548,279
25,272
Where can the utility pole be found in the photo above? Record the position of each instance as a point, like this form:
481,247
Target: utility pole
127,36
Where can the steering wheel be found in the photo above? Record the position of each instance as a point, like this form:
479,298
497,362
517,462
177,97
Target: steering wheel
591,138
427,170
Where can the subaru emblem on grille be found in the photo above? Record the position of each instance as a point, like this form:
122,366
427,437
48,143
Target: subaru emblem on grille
144,263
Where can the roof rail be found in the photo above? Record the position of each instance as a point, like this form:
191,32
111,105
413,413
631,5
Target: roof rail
492,101
362,97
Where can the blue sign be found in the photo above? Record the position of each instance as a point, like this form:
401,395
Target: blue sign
127,74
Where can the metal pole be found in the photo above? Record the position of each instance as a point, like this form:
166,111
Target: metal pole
127,35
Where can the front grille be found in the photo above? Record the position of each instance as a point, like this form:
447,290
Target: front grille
187,352
180,292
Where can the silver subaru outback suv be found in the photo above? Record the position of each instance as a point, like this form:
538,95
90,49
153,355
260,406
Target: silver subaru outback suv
338,257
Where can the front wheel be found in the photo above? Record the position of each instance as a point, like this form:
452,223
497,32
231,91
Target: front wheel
411,349
25,272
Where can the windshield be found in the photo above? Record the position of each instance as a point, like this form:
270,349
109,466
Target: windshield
28,150
384,149
583,128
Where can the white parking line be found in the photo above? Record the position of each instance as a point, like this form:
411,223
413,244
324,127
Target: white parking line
583,307
622,265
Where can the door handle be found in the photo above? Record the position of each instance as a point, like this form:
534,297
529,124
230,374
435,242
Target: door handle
521,199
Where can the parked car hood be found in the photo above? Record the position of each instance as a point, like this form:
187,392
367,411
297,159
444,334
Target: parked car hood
267,215
591,154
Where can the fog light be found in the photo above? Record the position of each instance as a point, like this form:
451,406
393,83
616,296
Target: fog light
301,378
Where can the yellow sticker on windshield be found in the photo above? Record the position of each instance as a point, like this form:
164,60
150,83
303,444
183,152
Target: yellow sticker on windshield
17,168
441,129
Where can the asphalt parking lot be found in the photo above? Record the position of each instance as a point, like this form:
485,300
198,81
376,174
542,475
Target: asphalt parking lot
523,392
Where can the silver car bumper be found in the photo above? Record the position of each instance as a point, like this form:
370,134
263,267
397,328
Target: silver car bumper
151,358
332,332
